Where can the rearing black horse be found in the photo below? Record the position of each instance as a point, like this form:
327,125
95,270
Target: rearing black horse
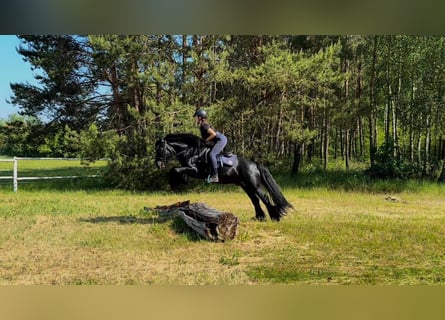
192,154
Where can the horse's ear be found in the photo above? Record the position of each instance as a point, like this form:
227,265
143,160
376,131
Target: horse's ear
158,140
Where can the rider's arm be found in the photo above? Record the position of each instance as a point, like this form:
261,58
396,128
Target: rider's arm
212,134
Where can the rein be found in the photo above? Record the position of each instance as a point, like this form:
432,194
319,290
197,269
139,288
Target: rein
172,154
169,151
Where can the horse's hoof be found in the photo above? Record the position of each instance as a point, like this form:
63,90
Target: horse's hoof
259,219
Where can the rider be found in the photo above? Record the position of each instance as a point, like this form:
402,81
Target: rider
212,138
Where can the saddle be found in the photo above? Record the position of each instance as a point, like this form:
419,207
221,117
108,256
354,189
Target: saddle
225,158
226,153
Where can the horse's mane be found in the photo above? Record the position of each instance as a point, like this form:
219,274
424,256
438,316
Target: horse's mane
188,138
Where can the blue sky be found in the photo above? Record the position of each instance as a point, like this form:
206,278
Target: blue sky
12,69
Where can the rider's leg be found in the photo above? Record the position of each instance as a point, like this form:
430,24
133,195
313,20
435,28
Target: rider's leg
217,148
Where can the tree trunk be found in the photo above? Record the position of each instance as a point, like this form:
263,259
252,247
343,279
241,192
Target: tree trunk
298,147
426,158
361,137
120,120
372,107
419,150
347,149
210,223
336,144
326,141
395,109
388,105
358,96
442,174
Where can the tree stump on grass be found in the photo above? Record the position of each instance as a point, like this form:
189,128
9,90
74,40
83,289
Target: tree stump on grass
208,222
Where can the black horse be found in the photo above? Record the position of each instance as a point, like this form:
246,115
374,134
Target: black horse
193,155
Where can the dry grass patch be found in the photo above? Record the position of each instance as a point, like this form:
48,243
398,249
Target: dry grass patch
332,237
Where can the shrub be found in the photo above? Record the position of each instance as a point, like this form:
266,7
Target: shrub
386,165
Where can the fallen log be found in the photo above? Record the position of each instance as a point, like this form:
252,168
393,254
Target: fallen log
208,222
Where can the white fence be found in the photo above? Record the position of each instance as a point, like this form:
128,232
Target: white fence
15,178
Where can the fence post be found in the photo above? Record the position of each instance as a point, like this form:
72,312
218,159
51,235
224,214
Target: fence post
15,181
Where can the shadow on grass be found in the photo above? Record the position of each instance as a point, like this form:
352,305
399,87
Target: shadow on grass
124,220
177,224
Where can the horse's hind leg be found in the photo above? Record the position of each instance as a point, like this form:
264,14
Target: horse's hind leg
259,213
273,213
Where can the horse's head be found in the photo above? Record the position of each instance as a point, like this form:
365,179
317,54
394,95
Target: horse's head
175,144
163,153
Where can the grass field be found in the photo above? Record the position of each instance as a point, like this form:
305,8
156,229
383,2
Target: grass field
80,233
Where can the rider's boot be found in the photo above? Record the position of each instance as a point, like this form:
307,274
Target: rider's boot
213,178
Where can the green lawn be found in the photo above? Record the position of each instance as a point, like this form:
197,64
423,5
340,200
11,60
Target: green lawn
336,235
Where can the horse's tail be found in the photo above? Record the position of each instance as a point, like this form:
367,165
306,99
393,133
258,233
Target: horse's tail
281,204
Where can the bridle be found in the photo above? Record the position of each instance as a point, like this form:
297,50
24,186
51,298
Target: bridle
168,152
165,151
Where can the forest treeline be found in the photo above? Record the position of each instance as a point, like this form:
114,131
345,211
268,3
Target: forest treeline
378,99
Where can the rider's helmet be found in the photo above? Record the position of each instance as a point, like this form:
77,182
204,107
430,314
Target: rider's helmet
200,113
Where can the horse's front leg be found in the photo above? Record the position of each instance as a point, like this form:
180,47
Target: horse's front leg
190,171
179,176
